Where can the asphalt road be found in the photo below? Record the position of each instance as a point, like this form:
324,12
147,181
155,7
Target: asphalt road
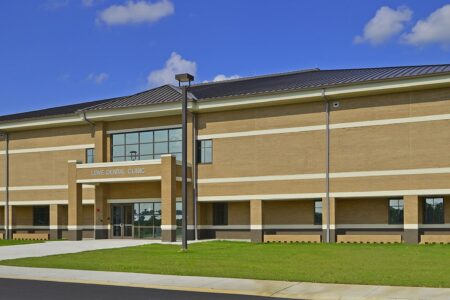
12,289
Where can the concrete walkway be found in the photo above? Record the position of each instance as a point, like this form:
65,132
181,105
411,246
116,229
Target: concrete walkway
281,289
62,247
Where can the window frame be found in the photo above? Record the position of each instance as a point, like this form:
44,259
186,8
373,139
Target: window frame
139,156
316,221
87,155
425,215
215,219
37,214
402,218
200,151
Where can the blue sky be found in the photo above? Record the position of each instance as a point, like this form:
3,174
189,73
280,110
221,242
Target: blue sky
57,52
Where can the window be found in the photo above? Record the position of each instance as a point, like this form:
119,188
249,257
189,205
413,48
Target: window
318,212
433,210
146,144
41,216
220,214
395,211
90,155
204,154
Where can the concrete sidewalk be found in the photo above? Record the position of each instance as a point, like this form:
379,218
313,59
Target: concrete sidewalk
281,289
63,247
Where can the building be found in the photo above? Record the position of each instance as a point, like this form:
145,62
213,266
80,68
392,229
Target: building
330,155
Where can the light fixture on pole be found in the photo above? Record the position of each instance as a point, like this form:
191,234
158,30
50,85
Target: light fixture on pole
184,78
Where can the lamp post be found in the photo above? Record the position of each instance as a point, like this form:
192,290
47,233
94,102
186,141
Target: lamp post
184,78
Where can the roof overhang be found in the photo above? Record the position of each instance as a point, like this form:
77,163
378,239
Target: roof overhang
237,102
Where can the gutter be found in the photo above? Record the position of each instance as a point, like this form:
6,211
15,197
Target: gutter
6,183
327,162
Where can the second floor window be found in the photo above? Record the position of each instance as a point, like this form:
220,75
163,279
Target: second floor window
146,144
90,155
204,151
395,211
433,210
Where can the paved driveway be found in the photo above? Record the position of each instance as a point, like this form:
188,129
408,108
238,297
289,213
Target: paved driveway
62,247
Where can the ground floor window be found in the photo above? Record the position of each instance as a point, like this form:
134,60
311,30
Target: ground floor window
147,220
41,216
433,210
220,213
395,211
318,212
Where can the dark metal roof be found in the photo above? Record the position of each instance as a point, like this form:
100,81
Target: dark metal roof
162,94
306,79
310,79
54,111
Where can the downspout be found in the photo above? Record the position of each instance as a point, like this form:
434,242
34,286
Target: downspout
6,182
90,122
327,162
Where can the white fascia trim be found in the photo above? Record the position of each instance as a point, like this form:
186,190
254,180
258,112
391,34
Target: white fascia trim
310,196
292,226
45,122
175,126
49,149
122,179
428,118
154,110
332,226
41,187
224,227
120,164
138,200
45,202
256,227
179,179
322,175
369,226
261,197
168,227
411,226
434,226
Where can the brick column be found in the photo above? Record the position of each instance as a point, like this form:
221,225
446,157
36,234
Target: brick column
75,209
55,222
168,198
12,221
100,143
411,219
100,213
256,221
332,219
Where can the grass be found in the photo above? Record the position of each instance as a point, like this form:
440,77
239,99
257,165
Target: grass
17,242
404,265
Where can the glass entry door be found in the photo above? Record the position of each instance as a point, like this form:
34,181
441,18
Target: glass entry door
122,221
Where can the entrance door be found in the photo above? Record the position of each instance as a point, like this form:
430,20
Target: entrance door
122,221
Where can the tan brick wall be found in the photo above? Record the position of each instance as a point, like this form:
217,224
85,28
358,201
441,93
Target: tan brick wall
288,212
362,211
238,213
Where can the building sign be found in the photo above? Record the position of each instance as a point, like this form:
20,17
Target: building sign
118,172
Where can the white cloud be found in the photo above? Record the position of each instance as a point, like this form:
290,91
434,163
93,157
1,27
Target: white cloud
136,12
174,65
222,77
435,29
98,78
386,23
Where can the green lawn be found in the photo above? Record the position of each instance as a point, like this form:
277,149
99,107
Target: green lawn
17,242
410,265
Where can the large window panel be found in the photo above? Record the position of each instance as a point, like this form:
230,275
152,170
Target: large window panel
146,145
395,215
433,210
